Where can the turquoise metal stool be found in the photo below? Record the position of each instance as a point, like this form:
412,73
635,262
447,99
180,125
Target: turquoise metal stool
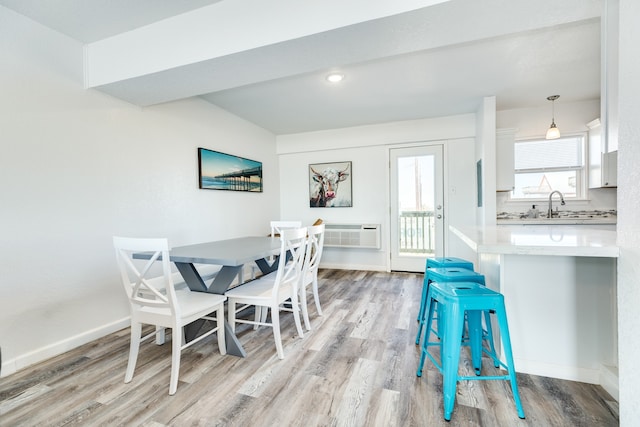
449,262
454,299
476,332
440,262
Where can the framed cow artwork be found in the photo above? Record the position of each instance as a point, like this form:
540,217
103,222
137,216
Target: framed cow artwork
330,185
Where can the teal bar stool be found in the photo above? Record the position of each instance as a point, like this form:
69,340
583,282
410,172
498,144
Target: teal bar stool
454,299
476,332
439,262
449,262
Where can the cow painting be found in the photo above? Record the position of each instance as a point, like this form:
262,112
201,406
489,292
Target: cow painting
324,182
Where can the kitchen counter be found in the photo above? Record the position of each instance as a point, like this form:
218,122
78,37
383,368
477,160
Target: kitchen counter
559,286
567,240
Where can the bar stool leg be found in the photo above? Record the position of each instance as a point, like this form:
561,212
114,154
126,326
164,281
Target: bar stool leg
429,306
474,321
506,341
423,301
423,308
454,318
489,337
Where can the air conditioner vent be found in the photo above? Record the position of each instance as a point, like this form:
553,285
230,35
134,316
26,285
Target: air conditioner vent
352,236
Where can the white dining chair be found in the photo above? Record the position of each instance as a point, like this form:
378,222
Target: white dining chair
278,226
157,301
276,229
271,291
309,276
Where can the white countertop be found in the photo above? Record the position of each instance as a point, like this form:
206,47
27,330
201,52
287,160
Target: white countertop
564,240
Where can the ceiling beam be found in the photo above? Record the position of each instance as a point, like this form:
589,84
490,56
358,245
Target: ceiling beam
223,46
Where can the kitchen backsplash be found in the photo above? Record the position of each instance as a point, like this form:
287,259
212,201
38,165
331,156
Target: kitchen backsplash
577,214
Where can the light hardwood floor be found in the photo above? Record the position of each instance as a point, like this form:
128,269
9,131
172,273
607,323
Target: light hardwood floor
355,368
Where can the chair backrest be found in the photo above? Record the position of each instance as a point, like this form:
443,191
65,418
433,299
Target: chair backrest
292,249
278,226
141,288
315,242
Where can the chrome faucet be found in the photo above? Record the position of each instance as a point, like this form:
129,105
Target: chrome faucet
550,212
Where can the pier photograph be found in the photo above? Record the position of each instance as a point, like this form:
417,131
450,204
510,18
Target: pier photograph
220,171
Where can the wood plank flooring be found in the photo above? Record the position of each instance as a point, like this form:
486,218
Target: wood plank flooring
355,368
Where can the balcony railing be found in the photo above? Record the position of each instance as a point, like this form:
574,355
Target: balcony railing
417,232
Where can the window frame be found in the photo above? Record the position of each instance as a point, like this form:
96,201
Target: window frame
582,172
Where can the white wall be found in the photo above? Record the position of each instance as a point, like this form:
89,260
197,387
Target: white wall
486,152
628,218
78,167
460,194
571,117
368,148
368,194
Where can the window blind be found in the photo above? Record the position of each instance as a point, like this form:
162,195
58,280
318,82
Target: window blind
544,154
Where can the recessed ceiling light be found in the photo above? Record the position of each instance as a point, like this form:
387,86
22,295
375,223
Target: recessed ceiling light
335,77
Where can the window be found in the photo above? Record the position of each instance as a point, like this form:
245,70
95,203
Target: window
543,166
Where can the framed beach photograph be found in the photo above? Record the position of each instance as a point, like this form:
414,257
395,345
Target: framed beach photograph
330,185
220,171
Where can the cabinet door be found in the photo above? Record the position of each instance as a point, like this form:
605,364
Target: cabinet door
610,169
603,167
505,174
595,154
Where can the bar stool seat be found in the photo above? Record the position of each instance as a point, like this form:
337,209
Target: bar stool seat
454,274
454,300
440,262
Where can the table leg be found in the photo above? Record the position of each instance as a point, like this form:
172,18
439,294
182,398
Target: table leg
233,344
223,279
191,276
265,267
219,286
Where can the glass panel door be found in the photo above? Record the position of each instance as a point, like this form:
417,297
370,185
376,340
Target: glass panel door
416,206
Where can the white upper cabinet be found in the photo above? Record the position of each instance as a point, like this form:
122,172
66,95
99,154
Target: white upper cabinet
505,174
603,166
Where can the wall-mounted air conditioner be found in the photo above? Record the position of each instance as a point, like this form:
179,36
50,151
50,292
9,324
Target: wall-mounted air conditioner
352,236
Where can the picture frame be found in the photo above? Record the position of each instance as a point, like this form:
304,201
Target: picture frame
330,185
221,171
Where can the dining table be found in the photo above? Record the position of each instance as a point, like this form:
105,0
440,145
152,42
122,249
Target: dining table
231,255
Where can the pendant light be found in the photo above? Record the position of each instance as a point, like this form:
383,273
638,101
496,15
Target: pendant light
553,132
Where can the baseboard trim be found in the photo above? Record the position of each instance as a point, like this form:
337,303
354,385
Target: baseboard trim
571,373
609,380
363,267
606,376
13,365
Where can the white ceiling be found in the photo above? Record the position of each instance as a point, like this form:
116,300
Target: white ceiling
92,20
436,61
